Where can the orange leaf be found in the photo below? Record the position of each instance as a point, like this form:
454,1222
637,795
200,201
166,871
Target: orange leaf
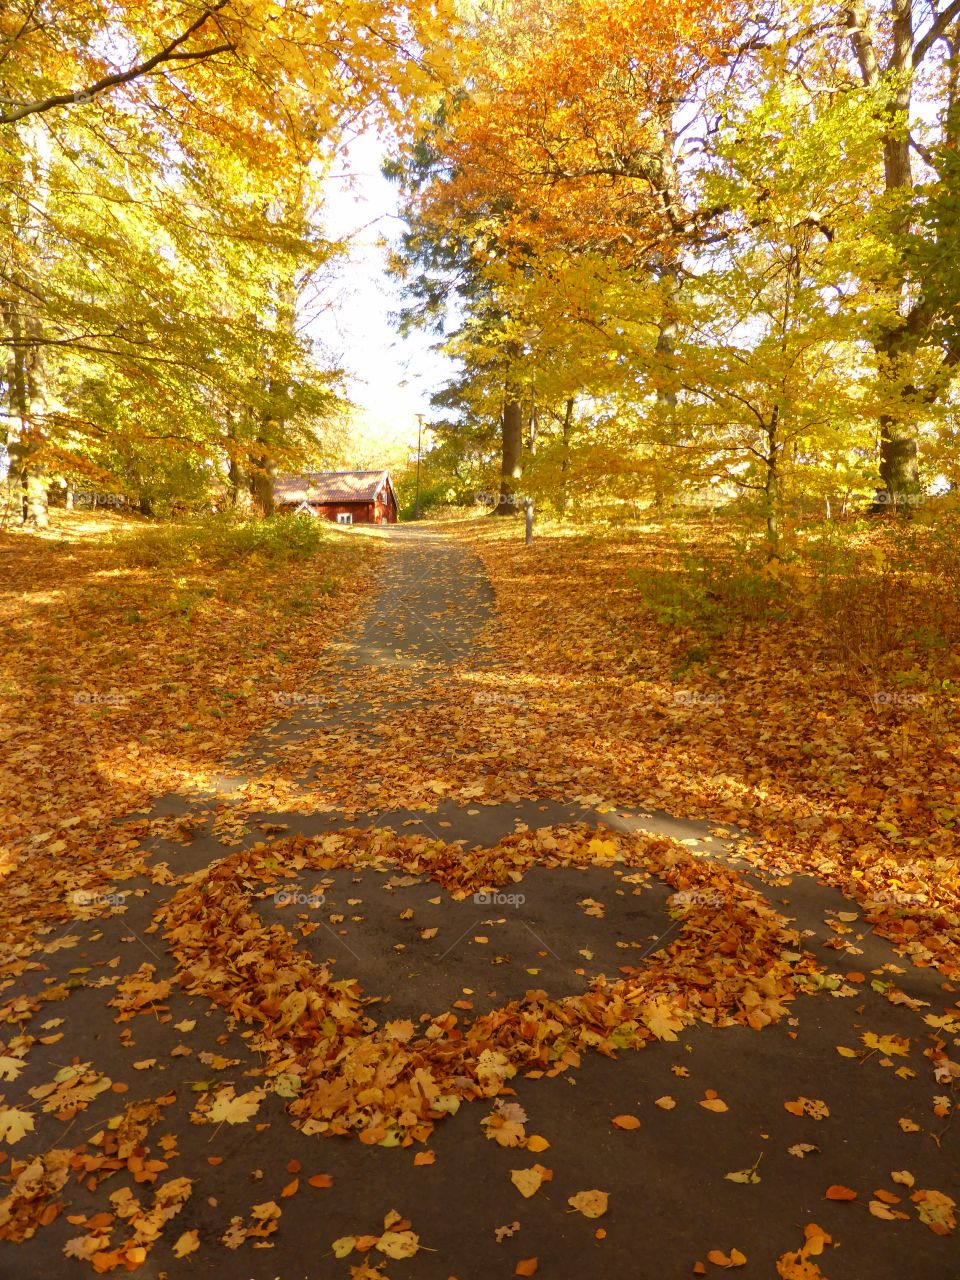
625,1122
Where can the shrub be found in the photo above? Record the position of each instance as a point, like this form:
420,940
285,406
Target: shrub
222,540
712,591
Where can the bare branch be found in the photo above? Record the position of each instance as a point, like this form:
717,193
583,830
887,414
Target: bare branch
938,30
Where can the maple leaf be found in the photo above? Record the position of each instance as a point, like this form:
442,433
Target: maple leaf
10,1068
14,1124
886,1044
231,1108
661,1019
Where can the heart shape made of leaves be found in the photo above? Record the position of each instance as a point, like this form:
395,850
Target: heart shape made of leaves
391,1083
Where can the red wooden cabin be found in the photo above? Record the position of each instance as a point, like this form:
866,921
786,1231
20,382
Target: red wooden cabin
345,497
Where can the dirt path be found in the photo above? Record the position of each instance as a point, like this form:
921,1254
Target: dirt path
418,951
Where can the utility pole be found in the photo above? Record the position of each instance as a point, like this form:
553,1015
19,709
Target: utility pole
416,505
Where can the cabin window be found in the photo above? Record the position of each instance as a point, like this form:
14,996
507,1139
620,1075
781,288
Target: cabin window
344,517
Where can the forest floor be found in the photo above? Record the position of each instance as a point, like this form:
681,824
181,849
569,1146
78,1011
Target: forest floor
389,911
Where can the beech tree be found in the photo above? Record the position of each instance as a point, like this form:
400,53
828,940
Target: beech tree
160,175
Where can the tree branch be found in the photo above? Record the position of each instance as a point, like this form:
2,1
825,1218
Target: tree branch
936,32
171,53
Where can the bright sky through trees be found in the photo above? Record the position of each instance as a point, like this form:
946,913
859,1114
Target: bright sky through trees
390,378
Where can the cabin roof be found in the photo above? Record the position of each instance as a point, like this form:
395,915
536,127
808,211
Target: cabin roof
331,486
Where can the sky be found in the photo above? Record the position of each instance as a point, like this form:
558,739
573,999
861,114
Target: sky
389,378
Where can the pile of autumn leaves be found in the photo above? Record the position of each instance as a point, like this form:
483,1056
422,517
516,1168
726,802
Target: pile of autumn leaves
735,963
580,694
763,728
738,962
121,684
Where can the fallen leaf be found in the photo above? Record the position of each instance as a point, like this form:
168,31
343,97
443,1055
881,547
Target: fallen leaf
230,1108
188,1243
625,1122
936,1211
592,1204
398,1244
811,1107
528,1181
720,1259
14,1123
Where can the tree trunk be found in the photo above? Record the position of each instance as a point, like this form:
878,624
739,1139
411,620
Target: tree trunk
898,446
28,406
261,486
563,496
899,469
238,486
664,350
35,506
771,486
512,454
